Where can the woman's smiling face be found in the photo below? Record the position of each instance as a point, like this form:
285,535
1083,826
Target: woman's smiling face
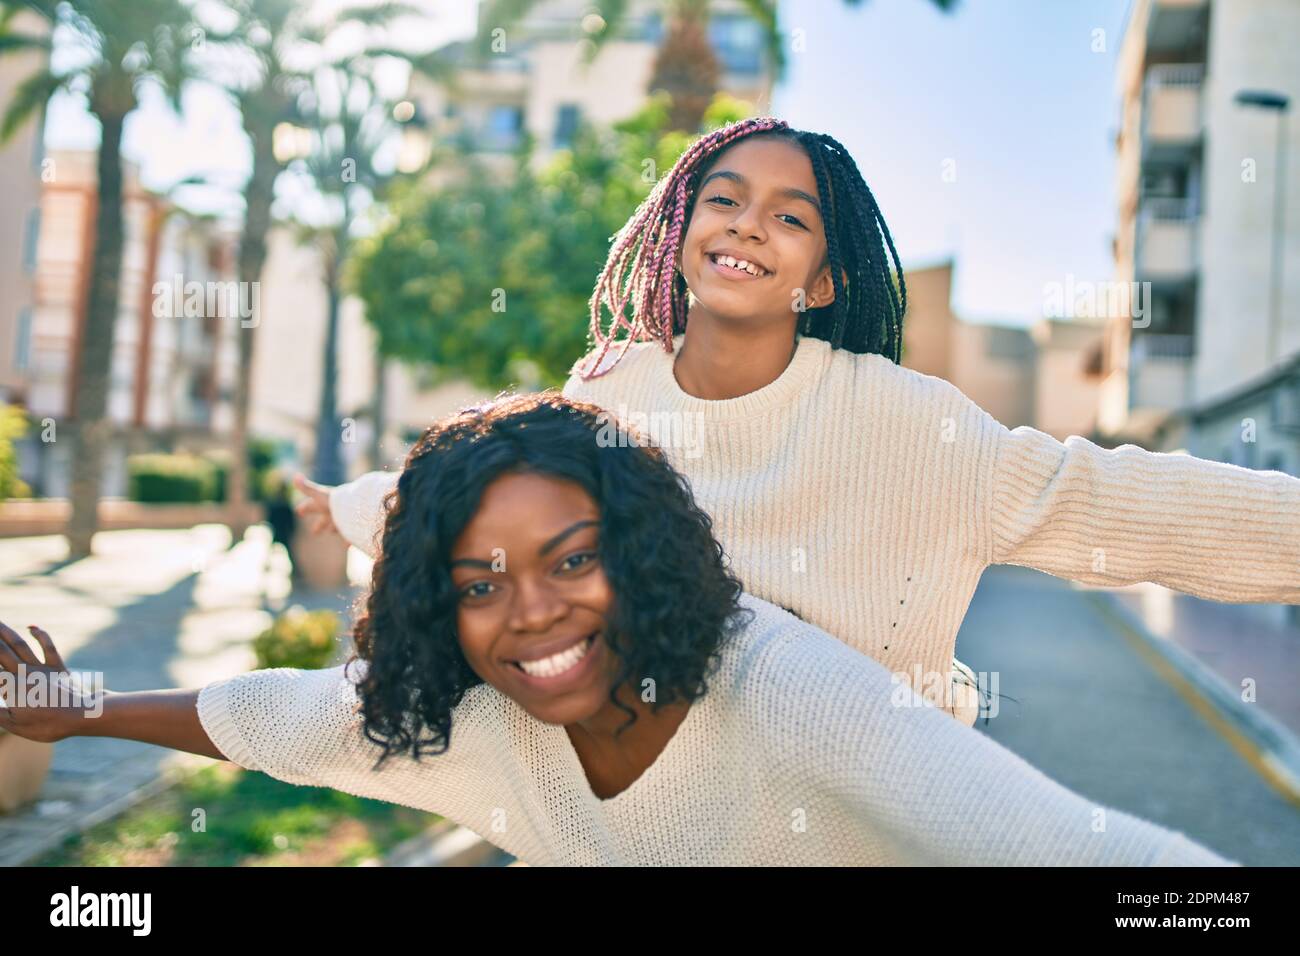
532,593
758,200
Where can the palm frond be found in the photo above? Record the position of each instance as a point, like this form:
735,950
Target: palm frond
29,99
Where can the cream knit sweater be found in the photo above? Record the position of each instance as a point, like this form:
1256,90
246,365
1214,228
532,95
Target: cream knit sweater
868,498
802,752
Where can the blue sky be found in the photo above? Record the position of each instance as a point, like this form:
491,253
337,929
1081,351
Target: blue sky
1011,92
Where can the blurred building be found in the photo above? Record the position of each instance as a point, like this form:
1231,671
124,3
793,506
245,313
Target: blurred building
172,370
538,85
20,220
1205,220
1044,375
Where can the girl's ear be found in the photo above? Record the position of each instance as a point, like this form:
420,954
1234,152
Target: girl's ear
823,289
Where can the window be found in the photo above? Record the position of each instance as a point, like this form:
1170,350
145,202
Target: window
23,345
31,235
566,125
502,127
738,43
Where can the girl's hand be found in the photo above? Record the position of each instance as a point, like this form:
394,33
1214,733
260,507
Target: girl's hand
45,721
315,507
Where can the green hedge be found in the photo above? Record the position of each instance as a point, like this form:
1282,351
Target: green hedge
170,478
188,478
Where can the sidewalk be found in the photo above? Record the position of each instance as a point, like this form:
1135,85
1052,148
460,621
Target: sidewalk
150,609
1237,642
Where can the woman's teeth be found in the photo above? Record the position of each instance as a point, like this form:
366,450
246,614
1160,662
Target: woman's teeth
740,264
557,663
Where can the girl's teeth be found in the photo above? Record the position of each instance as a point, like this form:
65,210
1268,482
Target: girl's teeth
557,663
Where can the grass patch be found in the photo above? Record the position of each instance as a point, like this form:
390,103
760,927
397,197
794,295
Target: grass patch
249,819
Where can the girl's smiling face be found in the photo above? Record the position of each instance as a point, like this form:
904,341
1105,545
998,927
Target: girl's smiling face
532,591
758,200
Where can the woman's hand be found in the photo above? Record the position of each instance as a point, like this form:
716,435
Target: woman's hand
64,705
315,507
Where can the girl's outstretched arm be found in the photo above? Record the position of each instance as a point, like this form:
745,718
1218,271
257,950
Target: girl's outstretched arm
1125,515
357,508
70,707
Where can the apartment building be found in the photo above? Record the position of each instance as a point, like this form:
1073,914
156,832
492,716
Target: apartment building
174,358
537,85
20,223
1045,375
1205,221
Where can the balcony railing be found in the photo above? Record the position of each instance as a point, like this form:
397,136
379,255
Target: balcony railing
1171,105
1166,238
1160,371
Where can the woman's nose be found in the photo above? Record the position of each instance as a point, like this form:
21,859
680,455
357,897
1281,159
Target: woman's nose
537,606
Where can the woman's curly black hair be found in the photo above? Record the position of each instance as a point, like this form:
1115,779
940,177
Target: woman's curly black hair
675,600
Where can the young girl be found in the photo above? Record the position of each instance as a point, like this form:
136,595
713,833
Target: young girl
762,350
553,628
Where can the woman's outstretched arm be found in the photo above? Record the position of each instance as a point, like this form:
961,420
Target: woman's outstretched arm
914,779
44,701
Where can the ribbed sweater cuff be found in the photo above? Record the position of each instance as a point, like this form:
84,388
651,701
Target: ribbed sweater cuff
214,714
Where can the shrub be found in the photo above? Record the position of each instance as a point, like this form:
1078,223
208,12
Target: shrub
13,425
298,638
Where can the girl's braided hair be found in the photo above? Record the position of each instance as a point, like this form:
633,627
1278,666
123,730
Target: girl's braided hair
866,315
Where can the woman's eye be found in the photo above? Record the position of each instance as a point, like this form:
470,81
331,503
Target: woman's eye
477,589
716,198
577,560
796,221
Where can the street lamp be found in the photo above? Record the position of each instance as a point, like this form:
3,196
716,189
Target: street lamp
1264,99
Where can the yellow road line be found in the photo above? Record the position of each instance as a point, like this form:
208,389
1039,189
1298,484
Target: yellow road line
1261,760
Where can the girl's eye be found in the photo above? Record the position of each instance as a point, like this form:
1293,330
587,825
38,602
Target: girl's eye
796,222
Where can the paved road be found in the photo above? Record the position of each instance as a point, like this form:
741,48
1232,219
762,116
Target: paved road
1093,715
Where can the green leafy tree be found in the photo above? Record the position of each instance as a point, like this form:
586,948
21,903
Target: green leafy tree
493,282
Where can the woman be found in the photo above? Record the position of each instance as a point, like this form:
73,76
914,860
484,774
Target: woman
554,654
764,337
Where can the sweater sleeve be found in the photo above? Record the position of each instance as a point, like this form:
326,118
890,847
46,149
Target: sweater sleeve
933,790
299,726
1124,515
358,508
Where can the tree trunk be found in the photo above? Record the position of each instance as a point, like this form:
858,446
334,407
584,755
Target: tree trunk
686,66
329,465
377,411
258,196
91,427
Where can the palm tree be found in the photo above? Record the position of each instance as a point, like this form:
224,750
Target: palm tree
109,48
686,65
263,62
